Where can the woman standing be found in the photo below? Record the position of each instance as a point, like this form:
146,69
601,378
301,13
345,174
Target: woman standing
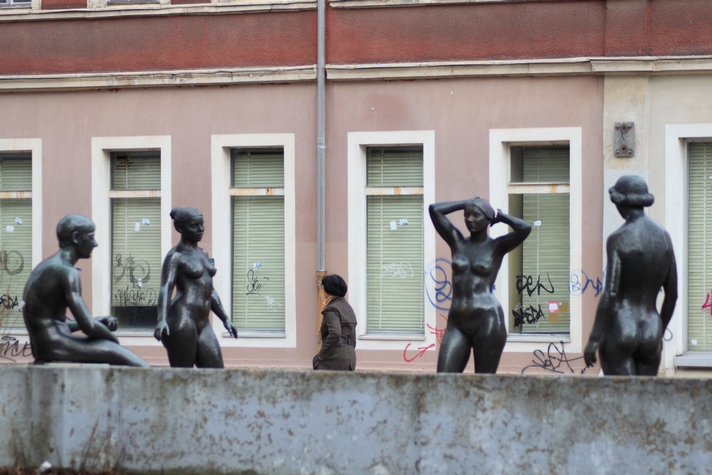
184,323
338,328
475,320
628,330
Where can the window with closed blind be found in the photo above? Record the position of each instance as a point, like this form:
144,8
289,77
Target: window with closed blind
258,240
394,251
699,261
15,234
135,237
539,270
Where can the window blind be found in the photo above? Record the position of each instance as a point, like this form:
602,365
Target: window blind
15,236
258,240
543,285
394,266
136,240
699,262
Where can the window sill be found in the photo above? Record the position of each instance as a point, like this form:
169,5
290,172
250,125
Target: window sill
405,337
538,338
694,359
25,13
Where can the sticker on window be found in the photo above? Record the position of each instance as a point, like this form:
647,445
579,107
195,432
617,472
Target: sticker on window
18,221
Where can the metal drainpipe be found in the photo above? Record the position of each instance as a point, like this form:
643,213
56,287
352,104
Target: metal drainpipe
320,132
321,157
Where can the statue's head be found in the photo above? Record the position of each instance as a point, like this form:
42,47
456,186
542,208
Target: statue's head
78,231
334,285
183,216
631,191
483,205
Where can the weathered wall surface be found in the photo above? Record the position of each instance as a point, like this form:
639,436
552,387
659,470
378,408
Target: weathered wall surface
276,422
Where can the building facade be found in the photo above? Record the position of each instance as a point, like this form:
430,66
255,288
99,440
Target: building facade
122,109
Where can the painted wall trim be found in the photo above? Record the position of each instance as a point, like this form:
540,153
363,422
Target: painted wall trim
155,9
559,67
202,77
351,72
415,3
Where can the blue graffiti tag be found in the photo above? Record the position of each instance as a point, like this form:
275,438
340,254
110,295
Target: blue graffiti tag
578,284
442,291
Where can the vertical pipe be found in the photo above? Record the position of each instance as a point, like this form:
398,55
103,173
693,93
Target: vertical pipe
320,133
321,158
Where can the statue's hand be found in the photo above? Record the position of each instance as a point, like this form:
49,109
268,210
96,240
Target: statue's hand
589,354
161,331
231,328
497,217
112,323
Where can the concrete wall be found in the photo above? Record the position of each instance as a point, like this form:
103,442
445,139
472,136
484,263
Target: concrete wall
276,422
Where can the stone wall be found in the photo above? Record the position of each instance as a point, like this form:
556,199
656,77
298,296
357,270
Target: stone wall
294,422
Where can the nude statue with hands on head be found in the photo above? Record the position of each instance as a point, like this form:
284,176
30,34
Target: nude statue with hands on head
184,320
476,319
53,286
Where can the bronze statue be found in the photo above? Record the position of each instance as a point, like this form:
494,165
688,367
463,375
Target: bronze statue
184,323
53,286
476,319
628,330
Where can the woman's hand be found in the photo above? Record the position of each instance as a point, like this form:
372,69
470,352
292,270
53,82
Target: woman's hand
161,331
497,217
110,322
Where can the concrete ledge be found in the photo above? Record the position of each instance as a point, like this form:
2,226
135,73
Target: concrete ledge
294,422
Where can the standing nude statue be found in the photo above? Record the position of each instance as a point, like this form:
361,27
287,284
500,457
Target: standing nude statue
53,286
475,320
184,322
628,330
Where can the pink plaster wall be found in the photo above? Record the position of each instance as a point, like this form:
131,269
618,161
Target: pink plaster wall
460,111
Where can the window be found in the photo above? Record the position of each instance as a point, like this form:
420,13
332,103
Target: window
537,174
539,268
258,262
394,254
15,3
390,179
254,237
135,238
131,203
15,234
699,257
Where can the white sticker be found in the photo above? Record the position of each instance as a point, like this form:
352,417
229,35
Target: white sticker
145,221
537,222
404,222
18,221
693,342
140,283
137,227
553,307
257,265
394,226
10,229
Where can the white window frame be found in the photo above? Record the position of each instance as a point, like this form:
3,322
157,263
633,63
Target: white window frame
501,141
677,136
221,145
101,148
358,143
34,147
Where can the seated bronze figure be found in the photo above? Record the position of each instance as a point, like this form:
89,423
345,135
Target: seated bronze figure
628,330
184,321
53,286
